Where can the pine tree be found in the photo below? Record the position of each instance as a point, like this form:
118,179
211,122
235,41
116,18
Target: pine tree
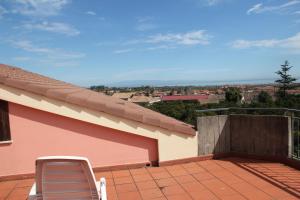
286,80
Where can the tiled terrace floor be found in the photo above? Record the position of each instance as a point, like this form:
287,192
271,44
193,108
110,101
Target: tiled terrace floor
227,179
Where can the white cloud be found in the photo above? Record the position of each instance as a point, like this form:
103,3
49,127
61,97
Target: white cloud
260,8
120,51
21,58
54,27
39,7
90,13
144,19
199,37
209,2
145,24
292,43
212,2
243,44
255,8
3,11
28,46
57,54
160,47
297,12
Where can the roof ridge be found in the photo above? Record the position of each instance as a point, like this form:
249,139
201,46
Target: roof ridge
60,90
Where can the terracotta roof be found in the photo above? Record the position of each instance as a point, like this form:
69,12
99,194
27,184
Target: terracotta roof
59,90
184,97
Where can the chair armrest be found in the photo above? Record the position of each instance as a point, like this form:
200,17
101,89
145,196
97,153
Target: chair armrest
32,194
103,195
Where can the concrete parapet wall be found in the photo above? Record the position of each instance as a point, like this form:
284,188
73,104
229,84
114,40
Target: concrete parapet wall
247,134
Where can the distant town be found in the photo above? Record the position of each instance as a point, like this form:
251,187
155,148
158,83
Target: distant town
202,94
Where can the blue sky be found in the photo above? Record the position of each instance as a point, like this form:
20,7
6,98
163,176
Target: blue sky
107,41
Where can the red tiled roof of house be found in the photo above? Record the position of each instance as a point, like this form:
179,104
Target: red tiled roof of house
184,97
59,90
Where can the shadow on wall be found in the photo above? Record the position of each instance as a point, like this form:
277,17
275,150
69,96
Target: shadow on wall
243,134
213,135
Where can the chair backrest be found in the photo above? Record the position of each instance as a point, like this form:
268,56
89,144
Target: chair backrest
65,177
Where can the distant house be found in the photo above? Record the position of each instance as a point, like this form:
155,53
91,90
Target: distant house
144,99
123,95
202,99
184,97
40,116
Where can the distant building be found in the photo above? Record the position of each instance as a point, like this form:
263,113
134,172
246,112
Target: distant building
144,99
123,95
184,97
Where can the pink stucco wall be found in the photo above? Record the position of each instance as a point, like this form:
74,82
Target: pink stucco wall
37,133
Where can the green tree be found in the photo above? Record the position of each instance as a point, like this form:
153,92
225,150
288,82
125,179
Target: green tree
264,98
233,95
286,80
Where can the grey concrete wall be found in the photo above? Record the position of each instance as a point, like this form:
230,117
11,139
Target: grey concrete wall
247,134
213,134
259,135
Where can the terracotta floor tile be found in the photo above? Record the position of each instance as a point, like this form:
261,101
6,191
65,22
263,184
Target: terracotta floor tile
146,185
195,170
107,174
232,197
7,185
185,179
25,183
225,179
277,192
203,176
151,193
4,193
178,172
257,195
16,197
172,190
221,173
203,195
231,179
243,187
290,198
179,197
19,193
129,187
129,196
174,167
109,181
138,171
156,169
193,186
190,165
123,180
166,182
218,187
161,175
142,177
111,193
120,173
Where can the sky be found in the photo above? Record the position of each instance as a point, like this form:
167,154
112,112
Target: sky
98,42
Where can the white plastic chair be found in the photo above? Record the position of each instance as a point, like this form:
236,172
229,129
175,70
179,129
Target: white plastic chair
66,177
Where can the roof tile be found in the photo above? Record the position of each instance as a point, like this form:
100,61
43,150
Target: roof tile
59,90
